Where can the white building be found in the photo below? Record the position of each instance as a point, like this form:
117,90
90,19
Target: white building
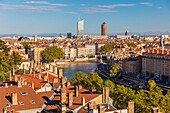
73,53
80,28
91,49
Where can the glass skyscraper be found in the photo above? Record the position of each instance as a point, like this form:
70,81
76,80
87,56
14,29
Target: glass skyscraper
80,28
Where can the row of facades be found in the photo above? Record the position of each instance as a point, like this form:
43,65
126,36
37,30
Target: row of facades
154,63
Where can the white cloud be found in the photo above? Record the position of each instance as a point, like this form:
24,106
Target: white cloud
28,8
97,10
45,3
146,3
74,13
37,2
116,5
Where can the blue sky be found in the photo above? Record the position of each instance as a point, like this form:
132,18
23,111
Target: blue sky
60,16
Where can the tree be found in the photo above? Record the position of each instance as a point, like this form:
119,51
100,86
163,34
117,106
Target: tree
5,66
121,95
107,47
141,102
80,79
114,70
51,53
110,84
4,48
17,60
95,81
92,80
165,103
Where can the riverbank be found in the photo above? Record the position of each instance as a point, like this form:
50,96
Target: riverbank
76,61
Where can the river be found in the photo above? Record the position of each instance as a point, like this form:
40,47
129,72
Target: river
71,69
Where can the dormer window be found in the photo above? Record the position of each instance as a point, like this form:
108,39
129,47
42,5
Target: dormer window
24,93
32,102
7,105
21,103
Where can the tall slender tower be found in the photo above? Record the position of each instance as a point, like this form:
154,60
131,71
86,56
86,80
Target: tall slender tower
104,29
80,28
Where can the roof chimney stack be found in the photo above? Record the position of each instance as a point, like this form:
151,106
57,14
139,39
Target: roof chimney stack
60,73
63,95
131,107
14,99
76,91
83,101
105,95
70,99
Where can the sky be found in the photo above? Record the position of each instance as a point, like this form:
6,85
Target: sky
61,16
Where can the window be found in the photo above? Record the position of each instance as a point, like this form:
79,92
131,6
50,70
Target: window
32,102
7,105
24,93
21,103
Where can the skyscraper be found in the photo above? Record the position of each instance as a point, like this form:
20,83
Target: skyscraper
104,29
80,28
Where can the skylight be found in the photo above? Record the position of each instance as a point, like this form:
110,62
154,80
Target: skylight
24,93
21,103
7,105
32,102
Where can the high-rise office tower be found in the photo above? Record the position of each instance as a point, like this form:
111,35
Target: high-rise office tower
69,35
104,29
80,28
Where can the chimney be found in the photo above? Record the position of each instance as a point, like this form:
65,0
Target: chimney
63,108
10,76
55,80
16,78
30,70
68,83
6,85
70,99
25,82
5,110
63,85
14,99
101,109
51,68
20,83
63,95
39,76
46,78
60,73
105,95
13,71
76,91
32,85
79,87
34,73
83,101
54,70
131,107
155,110
63,80
92,105
32,64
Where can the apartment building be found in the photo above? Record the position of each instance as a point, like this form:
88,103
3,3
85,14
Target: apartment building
91,49
156,63
132,65
81,51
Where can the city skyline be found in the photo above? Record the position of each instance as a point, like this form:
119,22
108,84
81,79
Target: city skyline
52,16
